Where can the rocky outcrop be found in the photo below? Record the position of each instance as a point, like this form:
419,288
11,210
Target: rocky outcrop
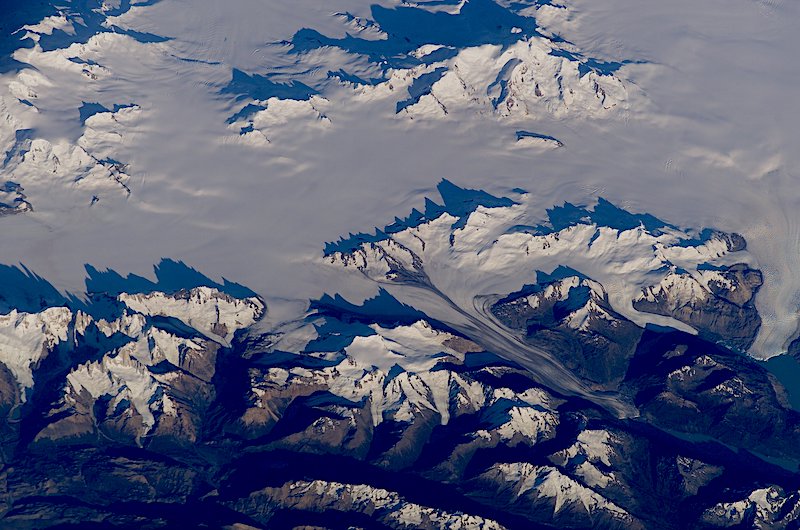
703,391
141,372
764,508
572,317
12,200
718,303
355,501
557,405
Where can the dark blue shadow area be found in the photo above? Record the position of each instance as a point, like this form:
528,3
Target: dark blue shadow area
85,15
262,87
98,305
352,78
327,399
787,369
78,60
421,86
603,214
527,134
12,187
144,38
538,3
394,371
577,297
711,267
22,144
87,20
526,290
171,276
658,328
476,360
246,111
282,359
559,273
609,215
408,27
458,202
542,280
13,15
501,81
175,327
125,6
87,110
499,412
25,291
336,332
588,64
383,308
343,320
703,237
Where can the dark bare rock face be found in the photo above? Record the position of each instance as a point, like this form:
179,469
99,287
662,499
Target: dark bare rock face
392,422
182,406
571,317
721,308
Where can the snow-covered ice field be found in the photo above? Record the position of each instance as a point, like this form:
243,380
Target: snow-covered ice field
130,144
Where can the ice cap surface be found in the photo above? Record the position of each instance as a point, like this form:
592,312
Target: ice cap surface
702,149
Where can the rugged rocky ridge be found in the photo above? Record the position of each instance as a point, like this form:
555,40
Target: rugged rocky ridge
12,200
718,303
510,69
769,507
522,400
572,316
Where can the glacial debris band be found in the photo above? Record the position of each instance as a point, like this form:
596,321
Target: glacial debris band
585,370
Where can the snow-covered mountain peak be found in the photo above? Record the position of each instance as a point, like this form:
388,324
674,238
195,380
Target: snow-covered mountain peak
128,361
413,348
548,482
382,390
428,63
213,313
26,338
484,250
484,360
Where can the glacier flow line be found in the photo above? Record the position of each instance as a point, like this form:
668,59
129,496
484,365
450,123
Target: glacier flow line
483,329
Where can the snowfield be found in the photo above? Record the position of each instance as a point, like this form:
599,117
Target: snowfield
241,137
471,264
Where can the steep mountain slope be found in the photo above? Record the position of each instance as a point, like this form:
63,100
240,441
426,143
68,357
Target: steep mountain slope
498,357
125,117
181,401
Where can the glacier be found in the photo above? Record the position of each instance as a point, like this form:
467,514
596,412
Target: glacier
169,151
418,264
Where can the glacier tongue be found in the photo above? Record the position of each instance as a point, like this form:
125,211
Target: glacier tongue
488,255
456,260
376,404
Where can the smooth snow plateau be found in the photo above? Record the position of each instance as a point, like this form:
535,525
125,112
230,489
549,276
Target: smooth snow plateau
707,140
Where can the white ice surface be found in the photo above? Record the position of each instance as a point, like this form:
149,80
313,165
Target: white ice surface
25,338
710,143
